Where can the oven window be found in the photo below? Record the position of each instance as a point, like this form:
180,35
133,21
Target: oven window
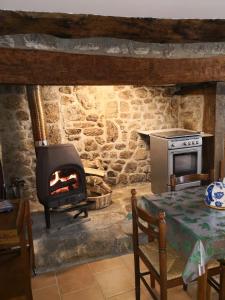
185,163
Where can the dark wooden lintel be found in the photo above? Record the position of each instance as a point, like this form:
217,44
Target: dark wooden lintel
138,29
193,88
19,66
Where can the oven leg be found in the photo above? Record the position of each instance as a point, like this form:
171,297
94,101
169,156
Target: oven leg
47,217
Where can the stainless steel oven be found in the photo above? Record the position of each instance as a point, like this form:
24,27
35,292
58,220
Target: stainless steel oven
176,152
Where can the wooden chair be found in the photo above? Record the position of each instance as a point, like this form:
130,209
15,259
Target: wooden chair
163,263
187,178
16,261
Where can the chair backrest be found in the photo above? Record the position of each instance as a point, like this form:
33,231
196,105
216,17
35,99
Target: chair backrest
153,226
187,178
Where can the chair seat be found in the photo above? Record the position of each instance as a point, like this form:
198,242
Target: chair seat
12,276
213,264
175,263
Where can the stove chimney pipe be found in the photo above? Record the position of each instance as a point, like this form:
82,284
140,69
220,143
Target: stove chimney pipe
37,115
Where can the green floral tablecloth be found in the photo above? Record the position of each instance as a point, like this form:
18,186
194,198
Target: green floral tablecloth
193,229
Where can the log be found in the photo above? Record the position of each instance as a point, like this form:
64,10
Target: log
94,172
138,29
20,66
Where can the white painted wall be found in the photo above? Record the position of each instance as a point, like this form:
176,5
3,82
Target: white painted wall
136,8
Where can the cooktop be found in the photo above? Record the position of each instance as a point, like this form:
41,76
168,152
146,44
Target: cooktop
176,133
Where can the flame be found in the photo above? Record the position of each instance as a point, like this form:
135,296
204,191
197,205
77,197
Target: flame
62,179
57,179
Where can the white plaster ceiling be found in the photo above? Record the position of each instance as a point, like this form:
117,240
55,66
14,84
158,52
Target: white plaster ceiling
131,8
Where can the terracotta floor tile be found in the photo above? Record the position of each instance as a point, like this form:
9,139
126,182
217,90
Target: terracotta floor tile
106,264
44,280
130,296
115,281
48,293
128,259
75,279
93,293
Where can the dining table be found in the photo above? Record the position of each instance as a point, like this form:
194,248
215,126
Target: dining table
194,230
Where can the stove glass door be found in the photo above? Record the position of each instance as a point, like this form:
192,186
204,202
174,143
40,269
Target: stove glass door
185,163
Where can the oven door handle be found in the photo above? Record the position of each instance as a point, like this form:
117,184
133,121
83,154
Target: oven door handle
185,150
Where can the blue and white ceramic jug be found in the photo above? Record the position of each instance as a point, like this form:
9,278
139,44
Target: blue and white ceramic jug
215,195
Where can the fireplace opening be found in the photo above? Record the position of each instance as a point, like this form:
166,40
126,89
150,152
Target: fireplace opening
63,181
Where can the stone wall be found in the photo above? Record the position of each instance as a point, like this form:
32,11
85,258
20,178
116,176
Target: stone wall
190,112
17,149
101,121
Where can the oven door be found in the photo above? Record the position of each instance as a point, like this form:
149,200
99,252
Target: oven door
184,162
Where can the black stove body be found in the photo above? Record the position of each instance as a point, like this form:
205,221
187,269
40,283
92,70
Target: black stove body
60,177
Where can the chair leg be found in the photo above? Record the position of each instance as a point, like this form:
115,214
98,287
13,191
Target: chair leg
137,277
163,292
208,291
185,286
152,280
222,281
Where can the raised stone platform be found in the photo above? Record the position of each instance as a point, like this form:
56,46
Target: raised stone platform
105,233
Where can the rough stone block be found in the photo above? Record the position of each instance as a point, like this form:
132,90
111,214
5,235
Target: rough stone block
72,131
137,178
107,147
65,89
51,111
92,117
111,110
140,154
84,101
141,92
22,115
112,131
93,131
123,178
117,167
126,154
100,140
120,146
90,145
131,167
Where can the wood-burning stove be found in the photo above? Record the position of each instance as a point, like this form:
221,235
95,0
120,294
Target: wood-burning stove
60,178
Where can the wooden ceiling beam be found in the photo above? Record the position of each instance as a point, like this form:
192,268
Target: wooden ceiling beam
88,26
19,66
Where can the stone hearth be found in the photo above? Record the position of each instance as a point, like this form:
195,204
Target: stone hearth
106,233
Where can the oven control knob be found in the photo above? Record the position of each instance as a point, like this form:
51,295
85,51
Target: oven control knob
193,142
185,143
196,142
173,145
189,143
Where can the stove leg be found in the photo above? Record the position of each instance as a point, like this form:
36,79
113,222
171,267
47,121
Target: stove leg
47,217
85,211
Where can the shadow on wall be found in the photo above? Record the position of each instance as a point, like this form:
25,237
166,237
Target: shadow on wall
17,147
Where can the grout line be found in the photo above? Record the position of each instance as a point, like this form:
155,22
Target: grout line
43,287
57,284
104,297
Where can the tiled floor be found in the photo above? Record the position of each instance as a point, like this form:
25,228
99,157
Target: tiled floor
111,279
